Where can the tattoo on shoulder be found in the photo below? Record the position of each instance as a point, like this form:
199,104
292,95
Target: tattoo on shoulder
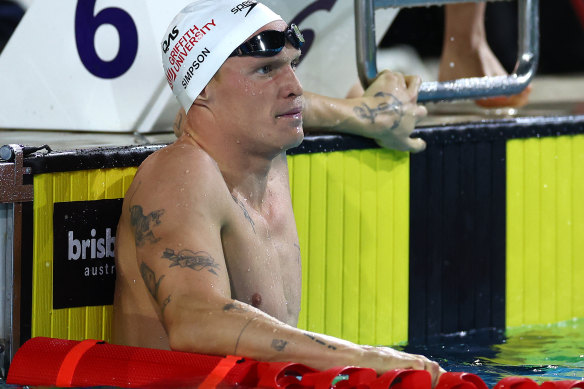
245,212
198,261
315,339
150,280
279,344
394,107
143,224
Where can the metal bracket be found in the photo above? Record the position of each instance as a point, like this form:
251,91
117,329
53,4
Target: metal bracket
464,88
12,187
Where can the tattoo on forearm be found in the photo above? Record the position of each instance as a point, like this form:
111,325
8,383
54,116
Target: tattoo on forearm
234,307
395,107
245,212
186,258
142,226
279,344
165,304
150,280
315,339
241,333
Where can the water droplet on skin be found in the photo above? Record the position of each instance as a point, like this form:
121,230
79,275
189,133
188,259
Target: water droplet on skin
187,171
238,141
451,64
451,39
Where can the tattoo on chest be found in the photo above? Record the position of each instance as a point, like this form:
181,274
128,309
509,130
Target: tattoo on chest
150,280
322,343
279,344
245,212
143,224
393,107
198,261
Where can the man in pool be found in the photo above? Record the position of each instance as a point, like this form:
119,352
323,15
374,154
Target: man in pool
207,250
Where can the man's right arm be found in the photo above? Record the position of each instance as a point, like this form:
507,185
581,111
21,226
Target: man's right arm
178,218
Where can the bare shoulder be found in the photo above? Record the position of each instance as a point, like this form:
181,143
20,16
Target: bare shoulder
182,174
177,160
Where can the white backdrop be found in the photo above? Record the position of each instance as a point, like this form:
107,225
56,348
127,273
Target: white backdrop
94,65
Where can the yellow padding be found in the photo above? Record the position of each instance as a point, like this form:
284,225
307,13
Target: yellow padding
352,214
545,230
73,323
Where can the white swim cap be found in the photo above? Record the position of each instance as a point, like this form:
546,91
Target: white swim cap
202,36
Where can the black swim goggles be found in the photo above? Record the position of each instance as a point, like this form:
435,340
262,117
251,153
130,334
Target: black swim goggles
270,42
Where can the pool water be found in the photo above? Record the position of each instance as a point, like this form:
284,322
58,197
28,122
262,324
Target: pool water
541,353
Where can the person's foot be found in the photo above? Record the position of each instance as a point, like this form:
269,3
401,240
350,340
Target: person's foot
461,62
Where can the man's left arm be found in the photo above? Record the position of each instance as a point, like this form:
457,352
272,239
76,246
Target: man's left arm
387,112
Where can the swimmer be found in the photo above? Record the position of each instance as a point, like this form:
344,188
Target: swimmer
207,250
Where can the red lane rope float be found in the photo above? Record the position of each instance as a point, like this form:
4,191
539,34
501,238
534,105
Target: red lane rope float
219,372
460,381
69,364
50,362
516,383
562,385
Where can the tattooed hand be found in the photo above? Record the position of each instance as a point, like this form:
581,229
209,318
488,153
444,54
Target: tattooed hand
388,111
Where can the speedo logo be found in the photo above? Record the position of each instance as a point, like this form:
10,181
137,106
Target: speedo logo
172,36
246,4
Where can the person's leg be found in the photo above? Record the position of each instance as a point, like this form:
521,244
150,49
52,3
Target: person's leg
466,53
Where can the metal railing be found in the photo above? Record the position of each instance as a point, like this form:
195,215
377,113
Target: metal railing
464,88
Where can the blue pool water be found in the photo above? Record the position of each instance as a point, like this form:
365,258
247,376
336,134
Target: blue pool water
542,353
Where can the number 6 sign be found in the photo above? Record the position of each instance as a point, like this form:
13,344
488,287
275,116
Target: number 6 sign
95,65
86,26
90,65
